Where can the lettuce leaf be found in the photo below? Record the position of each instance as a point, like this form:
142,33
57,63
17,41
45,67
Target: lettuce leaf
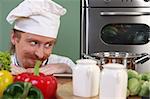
5,61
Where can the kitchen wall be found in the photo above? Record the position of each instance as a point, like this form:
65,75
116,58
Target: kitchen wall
68,43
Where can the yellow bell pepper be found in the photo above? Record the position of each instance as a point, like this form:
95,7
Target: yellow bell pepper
6,79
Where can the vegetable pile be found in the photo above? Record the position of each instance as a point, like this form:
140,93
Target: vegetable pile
6,77
138,84
46,83
25,85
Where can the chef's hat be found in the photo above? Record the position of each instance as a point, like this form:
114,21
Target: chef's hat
41,17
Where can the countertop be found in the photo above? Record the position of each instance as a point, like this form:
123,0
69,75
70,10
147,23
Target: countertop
64,90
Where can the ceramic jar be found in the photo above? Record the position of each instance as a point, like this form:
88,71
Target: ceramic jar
113,81
86,76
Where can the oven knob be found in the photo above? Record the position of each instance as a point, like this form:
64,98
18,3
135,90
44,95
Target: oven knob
146,0
107,1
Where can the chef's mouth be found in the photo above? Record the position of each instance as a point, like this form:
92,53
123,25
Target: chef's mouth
35,61
30,64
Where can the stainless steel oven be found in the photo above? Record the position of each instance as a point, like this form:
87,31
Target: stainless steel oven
116,25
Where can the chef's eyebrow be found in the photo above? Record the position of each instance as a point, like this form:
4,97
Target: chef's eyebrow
51,42
34,40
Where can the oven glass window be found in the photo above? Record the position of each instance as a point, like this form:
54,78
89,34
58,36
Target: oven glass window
125,34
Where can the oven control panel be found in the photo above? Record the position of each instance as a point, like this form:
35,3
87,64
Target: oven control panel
132,0
126,1
118,3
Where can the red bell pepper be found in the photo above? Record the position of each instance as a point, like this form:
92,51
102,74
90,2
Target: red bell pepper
46,83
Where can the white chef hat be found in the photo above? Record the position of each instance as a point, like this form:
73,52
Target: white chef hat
41,17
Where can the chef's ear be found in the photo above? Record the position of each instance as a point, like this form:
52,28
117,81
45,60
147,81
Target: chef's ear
12,37
15,36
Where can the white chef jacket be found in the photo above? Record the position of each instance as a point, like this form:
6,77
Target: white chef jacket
52,59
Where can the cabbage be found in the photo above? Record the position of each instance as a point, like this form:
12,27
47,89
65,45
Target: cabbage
145,91
132,74
138,84
145,76
134,86
128,93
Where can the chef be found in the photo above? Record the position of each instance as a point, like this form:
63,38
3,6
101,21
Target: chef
34,34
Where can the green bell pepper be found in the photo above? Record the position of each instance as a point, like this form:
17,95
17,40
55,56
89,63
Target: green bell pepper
22,90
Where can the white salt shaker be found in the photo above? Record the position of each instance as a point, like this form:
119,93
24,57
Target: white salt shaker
86,76
113,81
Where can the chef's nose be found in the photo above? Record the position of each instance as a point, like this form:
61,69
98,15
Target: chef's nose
39,52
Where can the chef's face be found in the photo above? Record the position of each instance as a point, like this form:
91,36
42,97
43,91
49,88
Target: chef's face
31,47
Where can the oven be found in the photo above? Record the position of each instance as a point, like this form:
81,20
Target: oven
116,25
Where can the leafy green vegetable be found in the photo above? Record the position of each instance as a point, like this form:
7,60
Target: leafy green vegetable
145,89
128,92
145,76
138,83
5,60
132,74
134,86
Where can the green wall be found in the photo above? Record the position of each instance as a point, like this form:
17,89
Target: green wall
68,42
5,7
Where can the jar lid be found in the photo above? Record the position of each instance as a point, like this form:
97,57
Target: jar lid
114,66
86,61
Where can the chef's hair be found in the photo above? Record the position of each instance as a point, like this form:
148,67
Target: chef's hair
17,34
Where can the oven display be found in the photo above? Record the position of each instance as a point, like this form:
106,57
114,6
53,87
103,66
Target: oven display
125,34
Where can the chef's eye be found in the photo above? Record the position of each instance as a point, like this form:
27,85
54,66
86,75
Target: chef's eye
48,45
33,43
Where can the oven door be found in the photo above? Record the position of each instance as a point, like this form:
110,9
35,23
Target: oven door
116,29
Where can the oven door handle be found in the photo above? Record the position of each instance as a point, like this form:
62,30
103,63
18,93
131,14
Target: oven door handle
124,13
